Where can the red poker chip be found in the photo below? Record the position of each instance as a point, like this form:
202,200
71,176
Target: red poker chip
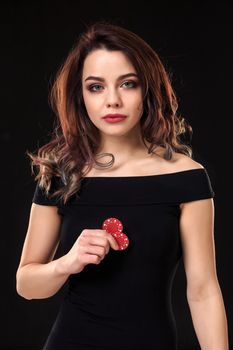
121,239
115,227
112,225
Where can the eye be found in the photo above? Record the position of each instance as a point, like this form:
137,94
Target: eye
133,83
94,87
90,88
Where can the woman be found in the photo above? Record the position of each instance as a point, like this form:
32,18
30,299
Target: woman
113,98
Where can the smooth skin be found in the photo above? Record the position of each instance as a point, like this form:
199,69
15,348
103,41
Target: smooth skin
39,276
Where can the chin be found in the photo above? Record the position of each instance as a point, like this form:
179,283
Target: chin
115,132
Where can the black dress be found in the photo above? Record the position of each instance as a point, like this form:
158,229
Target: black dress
125,301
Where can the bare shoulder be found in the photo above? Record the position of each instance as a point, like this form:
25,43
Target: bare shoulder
178,162
183,162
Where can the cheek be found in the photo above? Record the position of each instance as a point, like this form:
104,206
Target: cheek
135,101
91,103
140,107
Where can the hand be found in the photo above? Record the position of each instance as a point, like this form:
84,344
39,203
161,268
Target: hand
90,248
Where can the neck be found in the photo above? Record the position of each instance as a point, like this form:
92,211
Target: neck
124,147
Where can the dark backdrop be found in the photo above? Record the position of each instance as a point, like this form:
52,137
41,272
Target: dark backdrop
193,40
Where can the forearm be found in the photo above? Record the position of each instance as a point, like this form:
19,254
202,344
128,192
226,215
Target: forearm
39,281
209,320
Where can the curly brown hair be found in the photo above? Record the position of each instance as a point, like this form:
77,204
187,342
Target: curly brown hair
75,139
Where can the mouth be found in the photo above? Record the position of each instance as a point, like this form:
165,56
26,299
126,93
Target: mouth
116,115
114,118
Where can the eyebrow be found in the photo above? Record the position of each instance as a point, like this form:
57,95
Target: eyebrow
91,77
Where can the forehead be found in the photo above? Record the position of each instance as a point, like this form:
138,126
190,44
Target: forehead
102,62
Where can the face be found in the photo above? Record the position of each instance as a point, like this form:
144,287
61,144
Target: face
110,85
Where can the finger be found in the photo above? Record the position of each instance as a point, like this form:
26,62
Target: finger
96,250
99,241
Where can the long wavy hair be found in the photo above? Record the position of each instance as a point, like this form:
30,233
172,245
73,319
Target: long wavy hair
75,139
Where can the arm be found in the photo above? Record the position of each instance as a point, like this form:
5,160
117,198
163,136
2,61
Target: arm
38,276
203,291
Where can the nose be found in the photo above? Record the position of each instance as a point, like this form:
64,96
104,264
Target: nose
113,99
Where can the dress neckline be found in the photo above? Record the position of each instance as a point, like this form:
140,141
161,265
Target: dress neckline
144,176
173,187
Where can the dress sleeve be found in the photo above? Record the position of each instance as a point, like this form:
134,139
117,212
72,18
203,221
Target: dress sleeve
40,197
196,185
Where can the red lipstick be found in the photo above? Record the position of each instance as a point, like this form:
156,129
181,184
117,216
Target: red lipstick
113,118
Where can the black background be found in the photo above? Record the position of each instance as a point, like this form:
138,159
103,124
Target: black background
193,39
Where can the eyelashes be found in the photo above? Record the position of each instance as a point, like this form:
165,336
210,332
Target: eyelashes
133,84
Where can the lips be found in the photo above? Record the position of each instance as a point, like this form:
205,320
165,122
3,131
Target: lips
114,116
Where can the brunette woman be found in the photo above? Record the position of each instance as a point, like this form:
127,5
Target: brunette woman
118,190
